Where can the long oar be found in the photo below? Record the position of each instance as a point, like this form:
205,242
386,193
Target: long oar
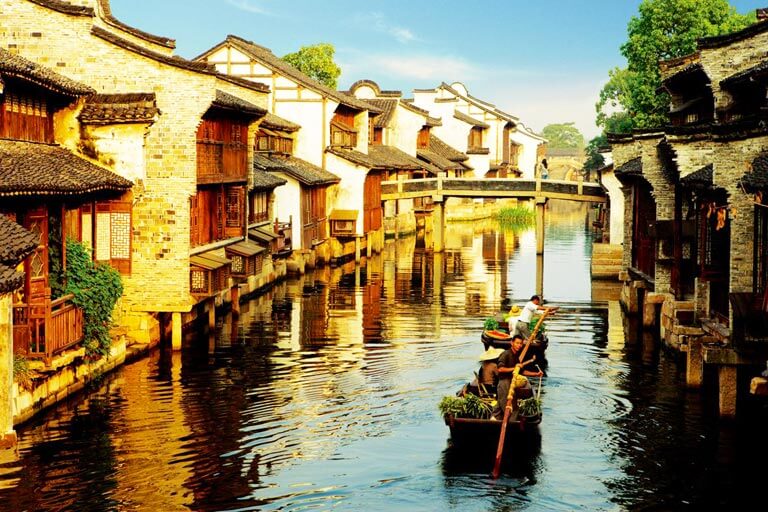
510,396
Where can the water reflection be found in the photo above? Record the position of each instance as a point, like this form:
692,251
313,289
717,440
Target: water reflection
323,394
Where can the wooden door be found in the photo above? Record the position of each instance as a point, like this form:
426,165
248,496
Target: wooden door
643,243
36,266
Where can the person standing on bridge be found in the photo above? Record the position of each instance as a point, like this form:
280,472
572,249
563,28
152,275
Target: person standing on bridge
543,169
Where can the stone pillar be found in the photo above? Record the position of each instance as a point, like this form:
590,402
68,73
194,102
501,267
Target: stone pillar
357,249
235,292
176,331
727,385
368,243
438,227
541,203
694,363
540,275
437,274
7,434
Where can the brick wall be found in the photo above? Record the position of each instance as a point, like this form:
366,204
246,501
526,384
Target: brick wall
160,268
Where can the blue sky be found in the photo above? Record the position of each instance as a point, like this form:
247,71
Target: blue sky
542,60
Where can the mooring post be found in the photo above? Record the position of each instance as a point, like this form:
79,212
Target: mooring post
438,227
727,384
176,331
541,203
211,314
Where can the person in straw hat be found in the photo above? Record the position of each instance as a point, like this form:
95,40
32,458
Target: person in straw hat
488,374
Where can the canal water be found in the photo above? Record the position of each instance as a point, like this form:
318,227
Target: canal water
324,396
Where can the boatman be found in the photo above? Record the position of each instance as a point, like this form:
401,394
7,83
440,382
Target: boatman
508,361
522,325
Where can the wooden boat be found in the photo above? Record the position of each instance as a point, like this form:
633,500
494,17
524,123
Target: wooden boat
484,433
500,339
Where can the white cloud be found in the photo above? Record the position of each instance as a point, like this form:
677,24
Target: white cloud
378,22
248,6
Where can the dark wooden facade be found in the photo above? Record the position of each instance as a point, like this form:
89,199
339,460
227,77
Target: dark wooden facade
217,211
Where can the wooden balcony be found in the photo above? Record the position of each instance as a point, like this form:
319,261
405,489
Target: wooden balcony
46,329
219,162
750,321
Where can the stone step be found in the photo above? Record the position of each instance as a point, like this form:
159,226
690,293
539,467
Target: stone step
604,270
606,260
606,249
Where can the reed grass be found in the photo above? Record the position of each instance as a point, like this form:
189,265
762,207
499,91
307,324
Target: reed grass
516,216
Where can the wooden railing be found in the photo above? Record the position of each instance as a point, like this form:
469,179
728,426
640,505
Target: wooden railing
47,328
219,162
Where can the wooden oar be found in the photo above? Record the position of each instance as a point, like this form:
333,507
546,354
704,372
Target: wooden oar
510,396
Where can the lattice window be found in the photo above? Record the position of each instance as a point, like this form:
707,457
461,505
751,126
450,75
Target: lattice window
234,208
198,281
238,264
113,234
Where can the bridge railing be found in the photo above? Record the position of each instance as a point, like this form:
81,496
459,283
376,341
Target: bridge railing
492,187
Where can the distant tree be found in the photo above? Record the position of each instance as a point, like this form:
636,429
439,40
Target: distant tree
663,29
316,61
594,159
563,135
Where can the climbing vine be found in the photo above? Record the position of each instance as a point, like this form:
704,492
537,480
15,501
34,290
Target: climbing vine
96,288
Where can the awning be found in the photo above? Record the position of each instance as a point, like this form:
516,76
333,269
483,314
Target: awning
245,248
343,215
261,235
209,261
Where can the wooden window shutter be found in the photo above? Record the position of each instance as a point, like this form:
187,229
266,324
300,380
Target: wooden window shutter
113,235
234,207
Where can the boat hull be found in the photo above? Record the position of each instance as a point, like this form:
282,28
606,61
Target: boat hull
485,433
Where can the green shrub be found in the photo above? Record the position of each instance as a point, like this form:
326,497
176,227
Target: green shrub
22,374
96,288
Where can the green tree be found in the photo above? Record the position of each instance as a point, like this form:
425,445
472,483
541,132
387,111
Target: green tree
663,29
316,61
563,135
594,159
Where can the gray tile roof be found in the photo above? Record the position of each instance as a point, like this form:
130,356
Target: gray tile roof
111,20
387,108
119,108
438,160
461,116
16,66
745,75
757,178
16,243
354,156
268,58
633,167
278,123
700,178
29,169
228,101
436,145
389,157
263,180
199,67
65,7
301,170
